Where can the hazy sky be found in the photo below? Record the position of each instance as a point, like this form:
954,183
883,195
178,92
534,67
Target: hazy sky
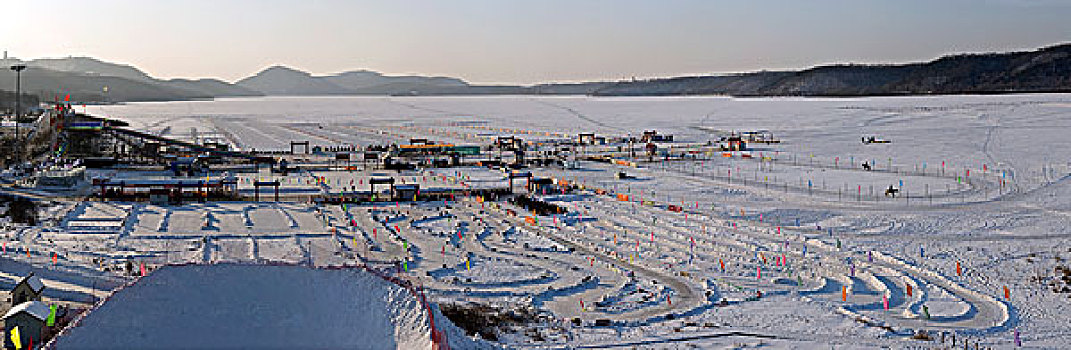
504,41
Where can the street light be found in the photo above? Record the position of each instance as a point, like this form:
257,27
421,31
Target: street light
18,104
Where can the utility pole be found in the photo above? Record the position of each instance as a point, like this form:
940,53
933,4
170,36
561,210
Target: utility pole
18,106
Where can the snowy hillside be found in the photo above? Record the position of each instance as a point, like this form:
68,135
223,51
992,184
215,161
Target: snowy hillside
254,306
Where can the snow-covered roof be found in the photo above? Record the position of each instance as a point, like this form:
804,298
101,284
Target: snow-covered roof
33,281
35,308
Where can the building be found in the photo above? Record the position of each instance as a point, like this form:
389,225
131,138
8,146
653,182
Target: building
467,150
28,288
508,143
736,143
542,185
406,192
590,139
651,149
654,136
30,318
424,149
760,136
62,177
178,190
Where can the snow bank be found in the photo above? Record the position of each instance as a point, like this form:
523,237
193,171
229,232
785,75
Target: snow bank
254,306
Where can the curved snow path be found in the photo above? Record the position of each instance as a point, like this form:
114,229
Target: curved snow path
986,312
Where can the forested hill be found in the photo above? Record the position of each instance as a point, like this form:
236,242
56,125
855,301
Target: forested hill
1043,70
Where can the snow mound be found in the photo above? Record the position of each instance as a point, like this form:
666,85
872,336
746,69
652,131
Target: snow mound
254,307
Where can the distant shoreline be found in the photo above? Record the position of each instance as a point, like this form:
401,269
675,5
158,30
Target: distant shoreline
973,93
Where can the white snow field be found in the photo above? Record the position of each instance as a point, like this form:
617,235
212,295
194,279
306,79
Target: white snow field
985,205
230,306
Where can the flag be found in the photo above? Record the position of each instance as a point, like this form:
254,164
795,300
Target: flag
15,339
51,315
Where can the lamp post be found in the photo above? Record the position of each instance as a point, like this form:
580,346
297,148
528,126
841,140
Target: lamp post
18,104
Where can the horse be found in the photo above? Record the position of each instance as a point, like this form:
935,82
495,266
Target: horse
866,166
891,191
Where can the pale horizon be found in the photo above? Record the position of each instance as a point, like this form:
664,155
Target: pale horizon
488,42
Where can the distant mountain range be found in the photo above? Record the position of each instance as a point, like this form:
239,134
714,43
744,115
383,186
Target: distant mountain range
1044,70
85,79
279,80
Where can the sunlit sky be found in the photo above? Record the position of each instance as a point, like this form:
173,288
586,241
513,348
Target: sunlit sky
505,41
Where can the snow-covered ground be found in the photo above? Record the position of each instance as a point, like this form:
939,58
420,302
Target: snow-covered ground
807,227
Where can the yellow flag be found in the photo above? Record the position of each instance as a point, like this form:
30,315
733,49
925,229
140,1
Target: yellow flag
15,337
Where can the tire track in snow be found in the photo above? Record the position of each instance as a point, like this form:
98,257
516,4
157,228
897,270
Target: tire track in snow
579,115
